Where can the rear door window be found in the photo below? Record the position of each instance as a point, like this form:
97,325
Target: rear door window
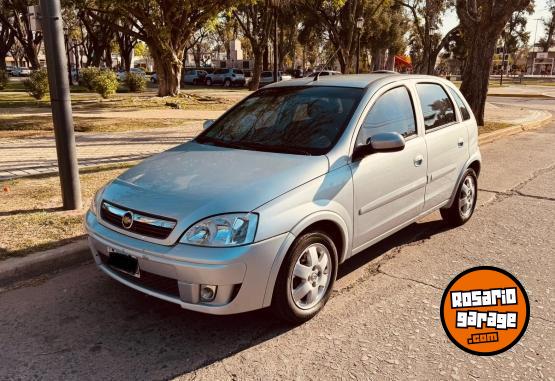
437,108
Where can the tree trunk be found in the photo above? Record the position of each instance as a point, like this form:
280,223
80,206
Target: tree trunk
108,57
126,60
390,65
257,69
31,56
475,77
8,39
168,72
197,55
265,59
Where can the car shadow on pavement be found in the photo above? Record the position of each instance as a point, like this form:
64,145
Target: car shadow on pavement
82,323
412,233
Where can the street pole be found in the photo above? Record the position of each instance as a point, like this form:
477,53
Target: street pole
358,51
76,57
61,103
276,79
503,59
359,26
66,42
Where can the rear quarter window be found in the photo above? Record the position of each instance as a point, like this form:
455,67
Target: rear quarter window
465,114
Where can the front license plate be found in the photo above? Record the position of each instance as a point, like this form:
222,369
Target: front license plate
123,262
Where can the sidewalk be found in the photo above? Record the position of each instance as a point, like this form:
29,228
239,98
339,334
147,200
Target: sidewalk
522,91
37,155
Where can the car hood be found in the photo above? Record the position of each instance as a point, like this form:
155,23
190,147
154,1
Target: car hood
194,181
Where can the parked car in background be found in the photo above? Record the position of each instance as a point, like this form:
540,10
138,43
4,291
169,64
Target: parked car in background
9,69
267,77
226,77
154,78
323,73
122,74
21,72
194,77
263,206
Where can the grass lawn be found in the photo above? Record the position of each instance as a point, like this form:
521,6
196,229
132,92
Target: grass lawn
191,97
26,126
31,218
89,101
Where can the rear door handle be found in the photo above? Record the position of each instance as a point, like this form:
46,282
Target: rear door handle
418,160
461,142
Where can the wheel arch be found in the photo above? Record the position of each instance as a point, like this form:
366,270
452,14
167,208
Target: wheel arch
325,221
474,162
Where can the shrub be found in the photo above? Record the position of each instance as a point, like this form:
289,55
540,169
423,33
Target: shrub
87,76
105,83
135,82
3,79
37,84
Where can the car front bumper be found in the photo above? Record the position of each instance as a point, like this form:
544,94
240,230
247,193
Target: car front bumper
244,275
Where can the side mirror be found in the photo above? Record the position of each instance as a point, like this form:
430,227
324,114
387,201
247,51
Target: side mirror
380,142
207,123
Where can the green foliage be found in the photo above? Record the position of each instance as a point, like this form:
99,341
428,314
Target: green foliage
37,84
3,79
135,82
105,83
88,74
141,50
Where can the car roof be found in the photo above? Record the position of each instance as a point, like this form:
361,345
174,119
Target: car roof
352,80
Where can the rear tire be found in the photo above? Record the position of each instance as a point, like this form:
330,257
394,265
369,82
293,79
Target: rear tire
306,278
465,201
208,82
227,83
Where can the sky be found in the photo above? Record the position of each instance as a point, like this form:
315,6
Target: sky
540,11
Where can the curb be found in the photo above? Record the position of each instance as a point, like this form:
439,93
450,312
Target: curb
75,253
21,268
513,95
493,136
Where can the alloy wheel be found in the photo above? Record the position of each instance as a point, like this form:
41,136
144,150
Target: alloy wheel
311,276
467,197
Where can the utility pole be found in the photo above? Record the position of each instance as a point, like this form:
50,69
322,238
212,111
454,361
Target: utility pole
61,103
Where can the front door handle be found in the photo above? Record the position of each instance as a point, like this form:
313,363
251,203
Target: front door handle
460,142
418,160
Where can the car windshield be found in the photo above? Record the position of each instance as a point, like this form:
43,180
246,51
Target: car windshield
297,120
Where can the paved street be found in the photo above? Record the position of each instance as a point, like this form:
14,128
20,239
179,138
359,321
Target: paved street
381,323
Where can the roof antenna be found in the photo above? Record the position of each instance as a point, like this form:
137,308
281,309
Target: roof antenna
326,64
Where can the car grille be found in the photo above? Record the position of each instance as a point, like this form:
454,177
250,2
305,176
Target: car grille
148,280
141,223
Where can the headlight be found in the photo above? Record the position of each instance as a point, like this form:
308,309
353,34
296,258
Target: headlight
223,230
95,202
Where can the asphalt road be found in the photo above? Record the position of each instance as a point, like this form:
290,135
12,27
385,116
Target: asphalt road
381,323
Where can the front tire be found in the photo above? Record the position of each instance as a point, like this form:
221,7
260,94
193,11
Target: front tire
306,278
208,82
465,202
227,83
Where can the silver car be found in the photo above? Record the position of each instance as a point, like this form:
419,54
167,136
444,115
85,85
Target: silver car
264,205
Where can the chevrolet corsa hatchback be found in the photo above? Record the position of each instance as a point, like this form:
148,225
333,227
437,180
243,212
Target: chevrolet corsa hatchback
261,208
